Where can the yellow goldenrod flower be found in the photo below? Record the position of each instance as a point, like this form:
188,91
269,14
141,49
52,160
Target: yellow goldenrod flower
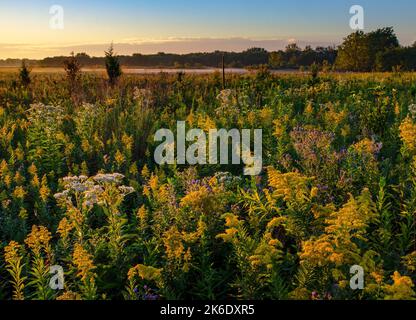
85,145
23,214
44,190
127,142
133,169
11,252
145,272
153,183
174,247
35,181
84,168
377,277
187,259
309,109
69,296
251,118
314,192
32,169
290,186
19,193
19,154
4,168
64,228
14,266
119,158
266,116
346,130
410,261
231,220
18,178
408,134
38,239
190,118
84,263
279,128
206,123
146,191
145,172
229,235
367,146
8,180
317,251
401,289
142,213
195,199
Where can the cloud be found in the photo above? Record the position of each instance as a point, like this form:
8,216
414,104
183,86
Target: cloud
133,45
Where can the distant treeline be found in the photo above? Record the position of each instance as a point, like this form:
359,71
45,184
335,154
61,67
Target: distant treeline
374,51
291,57
250,57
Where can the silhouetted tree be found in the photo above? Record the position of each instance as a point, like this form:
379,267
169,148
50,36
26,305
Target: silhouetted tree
72,68
112,65
314,71
24,74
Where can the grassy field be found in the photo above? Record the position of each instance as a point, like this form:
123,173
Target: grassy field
79,188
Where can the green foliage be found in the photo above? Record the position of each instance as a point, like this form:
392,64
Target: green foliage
338,188
362,51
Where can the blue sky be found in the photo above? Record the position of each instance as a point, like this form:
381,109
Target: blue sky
185,25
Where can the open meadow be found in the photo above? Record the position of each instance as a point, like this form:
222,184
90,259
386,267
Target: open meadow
80,189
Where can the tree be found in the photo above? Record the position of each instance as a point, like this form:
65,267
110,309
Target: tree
112,65
380,41
72,68
354,53
361,51
405,58
276,59
24,74
314,71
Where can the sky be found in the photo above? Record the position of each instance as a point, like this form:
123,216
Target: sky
181,26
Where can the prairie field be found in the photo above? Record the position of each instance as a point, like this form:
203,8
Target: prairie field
80,189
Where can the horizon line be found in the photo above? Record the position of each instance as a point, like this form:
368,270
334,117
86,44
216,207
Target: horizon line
149,47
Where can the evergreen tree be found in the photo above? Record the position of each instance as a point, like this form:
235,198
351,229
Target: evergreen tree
24,74
112,65
72,68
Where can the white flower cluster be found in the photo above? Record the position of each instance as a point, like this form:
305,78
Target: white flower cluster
47,117
125,190
144,96
412,110
228,103
227,178
91,189
92,195
85,119
115,178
